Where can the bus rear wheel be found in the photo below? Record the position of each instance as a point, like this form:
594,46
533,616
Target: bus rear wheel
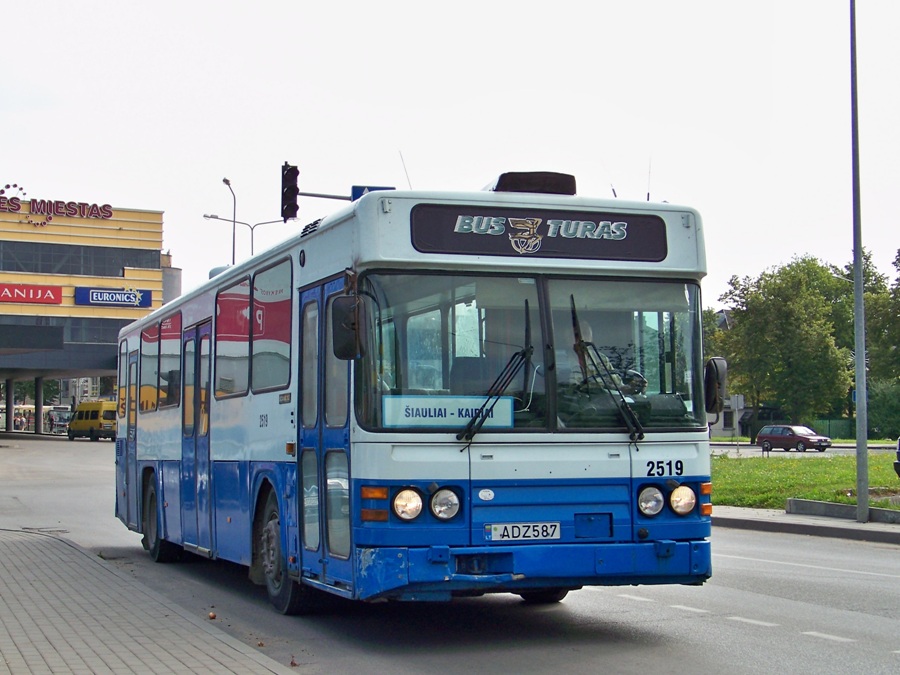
286,595
160,550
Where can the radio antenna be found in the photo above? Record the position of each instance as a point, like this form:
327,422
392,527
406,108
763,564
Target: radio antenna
403,162
649,168
613,188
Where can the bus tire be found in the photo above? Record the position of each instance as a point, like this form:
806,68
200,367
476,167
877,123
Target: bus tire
286,595
545,597
160,550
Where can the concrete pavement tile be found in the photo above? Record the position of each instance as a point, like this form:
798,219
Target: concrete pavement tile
64,610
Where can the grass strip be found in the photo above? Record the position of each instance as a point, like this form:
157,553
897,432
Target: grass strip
767,482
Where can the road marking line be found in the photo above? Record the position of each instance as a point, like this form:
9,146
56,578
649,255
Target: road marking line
753,622
812,567
690,609
636,597
826,636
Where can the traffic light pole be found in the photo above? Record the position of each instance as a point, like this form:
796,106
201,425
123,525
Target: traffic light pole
322,196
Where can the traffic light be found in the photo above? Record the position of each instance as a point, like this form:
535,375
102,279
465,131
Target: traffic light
289,191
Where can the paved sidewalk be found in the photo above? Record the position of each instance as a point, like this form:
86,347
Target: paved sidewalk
774,520
63,610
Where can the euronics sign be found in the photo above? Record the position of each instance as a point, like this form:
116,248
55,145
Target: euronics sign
113,297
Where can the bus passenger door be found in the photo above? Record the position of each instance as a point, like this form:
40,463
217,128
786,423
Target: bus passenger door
196,497
129,491
325,444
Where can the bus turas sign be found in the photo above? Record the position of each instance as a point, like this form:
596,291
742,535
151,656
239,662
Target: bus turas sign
113,297
541,233
31,294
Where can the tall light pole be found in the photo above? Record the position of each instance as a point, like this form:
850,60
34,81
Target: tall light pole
859,317
212,216
233,219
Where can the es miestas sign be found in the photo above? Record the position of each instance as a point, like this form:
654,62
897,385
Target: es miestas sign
11,201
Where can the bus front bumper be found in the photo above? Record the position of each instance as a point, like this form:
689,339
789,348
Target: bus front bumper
441,572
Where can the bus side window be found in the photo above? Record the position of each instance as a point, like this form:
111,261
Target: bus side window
309,364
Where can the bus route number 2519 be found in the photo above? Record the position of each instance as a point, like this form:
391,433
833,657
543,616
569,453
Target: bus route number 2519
665,468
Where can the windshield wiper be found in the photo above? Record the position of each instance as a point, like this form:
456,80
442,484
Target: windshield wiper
495,391
635,428
589,362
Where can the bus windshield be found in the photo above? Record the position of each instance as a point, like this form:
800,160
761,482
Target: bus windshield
532,353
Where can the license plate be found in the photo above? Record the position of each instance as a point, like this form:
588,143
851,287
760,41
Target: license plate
520,531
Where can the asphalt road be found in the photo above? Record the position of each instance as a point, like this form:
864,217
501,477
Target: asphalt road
740,450
776,602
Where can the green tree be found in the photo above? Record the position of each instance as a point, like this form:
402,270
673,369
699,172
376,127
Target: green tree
749,367
24,391
883,330
884,409
712,336
781,348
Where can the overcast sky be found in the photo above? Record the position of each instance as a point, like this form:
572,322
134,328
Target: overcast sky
739,109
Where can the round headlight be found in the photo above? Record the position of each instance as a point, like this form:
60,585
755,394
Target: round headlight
444,504
683,500
407,504
651,501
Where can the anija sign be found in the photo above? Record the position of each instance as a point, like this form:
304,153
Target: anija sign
32,294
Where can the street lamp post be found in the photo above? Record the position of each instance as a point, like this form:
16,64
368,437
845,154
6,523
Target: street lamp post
212,216
233,218
859,318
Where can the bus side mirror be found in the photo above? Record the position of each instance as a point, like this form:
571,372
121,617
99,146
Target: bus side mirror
348,321
715,375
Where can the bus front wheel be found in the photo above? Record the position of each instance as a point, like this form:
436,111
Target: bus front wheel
546,597
286,595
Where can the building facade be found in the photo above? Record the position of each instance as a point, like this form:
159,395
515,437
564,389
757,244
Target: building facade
72,273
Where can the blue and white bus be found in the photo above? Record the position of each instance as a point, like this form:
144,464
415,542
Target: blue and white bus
431,394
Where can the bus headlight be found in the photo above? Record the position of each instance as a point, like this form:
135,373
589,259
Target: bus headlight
407,504
683,500
444,504
651,501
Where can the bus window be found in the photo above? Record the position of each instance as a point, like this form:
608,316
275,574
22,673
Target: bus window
425,349
149,368
337,502
336,381
310,479
123,363
310,364
203,386
451,337
233,339
271,367
170,361
187,411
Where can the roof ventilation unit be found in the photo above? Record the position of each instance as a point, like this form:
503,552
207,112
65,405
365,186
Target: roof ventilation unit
543,182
